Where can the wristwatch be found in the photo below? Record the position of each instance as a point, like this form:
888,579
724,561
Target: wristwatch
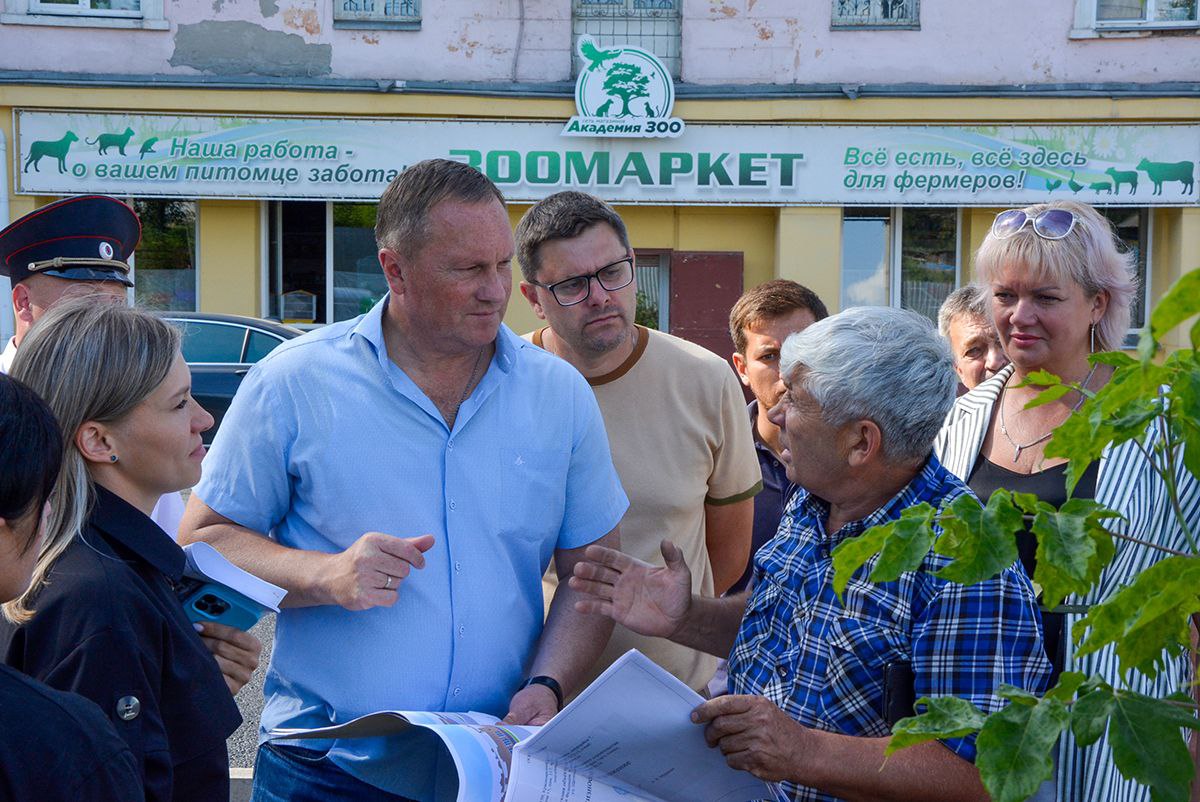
549,682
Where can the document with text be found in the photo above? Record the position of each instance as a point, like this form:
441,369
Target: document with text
628,736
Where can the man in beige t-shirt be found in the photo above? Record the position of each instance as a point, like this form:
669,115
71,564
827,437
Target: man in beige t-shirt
674,411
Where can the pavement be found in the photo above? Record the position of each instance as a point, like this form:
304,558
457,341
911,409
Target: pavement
243,743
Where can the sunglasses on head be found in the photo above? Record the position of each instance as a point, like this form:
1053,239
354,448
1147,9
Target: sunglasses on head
1047,224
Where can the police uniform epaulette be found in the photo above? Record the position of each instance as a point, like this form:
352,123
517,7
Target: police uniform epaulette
83,238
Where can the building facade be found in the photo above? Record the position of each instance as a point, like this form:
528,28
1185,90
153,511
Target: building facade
860,147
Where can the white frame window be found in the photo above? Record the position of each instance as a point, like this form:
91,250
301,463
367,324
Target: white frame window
895,255
1088,25
377,14
149,16
868,14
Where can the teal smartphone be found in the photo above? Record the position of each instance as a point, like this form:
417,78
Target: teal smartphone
217,603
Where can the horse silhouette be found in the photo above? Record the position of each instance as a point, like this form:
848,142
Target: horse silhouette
106,141
56,148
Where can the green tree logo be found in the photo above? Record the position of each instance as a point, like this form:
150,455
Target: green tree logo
628,82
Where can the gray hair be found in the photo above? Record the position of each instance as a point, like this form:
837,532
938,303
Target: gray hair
402,220
970,300
90,362
881,364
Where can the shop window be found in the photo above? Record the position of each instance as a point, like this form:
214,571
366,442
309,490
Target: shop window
322,262
653,274
358,282
90,13
399,14
1133,231
164,264
297,274
652,25
849,14
1129,17
905,257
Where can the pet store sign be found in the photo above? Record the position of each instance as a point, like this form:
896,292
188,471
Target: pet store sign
622,91
193,156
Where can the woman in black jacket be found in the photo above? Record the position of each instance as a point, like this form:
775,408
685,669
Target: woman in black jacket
108,622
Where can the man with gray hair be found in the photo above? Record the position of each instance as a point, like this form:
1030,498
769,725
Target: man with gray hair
965,320
867,391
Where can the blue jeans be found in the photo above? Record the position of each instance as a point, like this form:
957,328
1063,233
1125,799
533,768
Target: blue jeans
292,774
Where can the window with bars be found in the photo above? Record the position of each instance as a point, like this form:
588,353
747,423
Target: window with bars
652,25
89,8
1146,12
377,13
876,14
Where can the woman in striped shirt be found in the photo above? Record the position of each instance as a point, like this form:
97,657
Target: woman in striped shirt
1061,290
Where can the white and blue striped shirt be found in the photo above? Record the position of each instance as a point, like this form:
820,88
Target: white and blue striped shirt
1128,484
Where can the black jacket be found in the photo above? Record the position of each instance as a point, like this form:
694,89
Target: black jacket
58,747
109,626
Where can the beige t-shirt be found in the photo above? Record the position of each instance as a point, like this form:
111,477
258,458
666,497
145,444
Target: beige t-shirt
680,438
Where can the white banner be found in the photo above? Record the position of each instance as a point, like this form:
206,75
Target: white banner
189,156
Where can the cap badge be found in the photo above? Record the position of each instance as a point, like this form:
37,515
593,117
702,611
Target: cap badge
106,250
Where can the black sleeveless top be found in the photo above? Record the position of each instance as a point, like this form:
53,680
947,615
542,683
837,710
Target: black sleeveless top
1050,486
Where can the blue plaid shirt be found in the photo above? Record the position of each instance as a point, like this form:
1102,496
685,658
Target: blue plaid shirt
822,662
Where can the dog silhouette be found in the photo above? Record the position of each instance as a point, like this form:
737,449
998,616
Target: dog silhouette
605,108
106,141
1120,177
56,148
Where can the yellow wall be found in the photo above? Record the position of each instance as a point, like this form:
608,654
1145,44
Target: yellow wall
808,249
230,240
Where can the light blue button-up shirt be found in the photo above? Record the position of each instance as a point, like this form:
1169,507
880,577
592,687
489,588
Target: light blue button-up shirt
328,439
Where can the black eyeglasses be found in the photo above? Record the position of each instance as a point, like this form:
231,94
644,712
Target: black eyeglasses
575,290
1047,224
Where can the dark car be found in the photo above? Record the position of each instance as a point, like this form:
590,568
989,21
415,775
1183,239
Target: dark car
220,349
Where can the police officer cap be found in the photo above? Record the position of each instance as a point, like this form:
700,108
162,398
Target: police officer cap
85,238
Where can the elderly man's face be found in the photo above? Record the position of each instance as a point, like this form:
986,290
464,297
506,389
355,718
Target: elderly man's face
601,322
456,287
976,348
811,447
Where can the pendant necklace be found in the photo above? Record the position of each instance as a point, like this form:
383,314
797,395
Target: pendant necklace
1018,448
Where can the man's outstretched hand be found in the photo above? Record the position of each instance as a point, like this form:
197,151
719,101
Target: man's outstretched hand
647,599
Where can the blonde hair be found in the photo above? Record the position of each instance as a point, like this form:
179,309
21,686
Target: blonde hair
90,362
1088,256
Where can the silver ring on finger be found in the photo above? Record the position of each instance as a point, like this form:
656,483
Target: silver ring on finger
387,583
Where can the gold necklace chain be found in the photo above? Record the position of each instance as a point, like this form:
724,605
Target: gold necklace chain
1018,448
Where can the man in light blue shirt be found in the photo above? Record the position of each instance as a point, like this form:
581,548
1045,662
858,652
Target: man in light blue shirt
407,476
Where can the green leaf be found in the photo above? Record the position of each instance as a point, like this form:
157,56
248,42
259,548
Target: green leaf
907,544
1068,683
1148,619
1049,394
1147,346
944,717
1073,548
1147,745
1040,378
1014,694
1015,748
1089,715
1118,359
1185,415
981,540
1179,303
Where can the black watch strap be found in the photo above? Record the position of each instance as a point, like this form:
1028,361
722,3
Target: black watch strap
549,682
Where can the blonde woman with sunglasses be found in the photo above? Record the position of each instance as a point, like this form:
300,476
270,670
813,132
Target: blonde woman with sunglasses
1060,290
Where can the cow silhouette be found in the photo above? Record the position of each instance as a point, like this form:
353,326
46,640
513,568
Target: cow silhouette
1161,172
106,141
1120,177
56,148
